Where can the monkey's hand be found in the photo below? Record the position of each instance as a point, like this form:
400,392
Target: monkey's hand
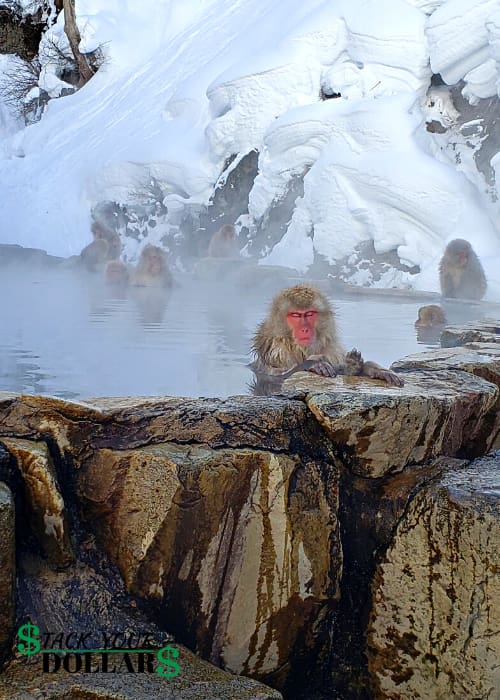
370,369
319,364
353,363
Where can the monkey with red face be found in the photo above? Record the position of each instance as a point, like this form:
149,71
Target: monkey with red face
299,333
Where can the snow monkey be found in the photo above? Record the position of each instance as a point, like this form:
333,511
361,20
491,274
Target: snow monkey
431,316
223,243
101,232
461,275
152,269
299,333
116,273
105,246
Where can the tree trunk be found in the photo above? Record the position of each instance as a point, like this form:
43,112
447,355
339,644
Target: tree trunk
73,34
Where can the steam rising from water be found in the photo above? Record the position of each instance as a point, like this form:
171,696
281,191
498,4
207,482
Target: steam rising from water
65,334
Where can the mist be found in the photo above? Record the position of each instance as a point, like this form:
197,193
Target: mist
67,334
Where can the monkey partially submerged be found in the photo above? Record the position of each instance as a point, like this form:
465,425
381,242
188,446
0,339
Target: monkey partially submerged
461,274
106,245
299,334
223,243
152,269
429,324
430,316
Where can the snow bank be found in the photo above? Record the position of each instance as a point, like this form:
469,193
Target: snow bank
187,85
358,185
461,35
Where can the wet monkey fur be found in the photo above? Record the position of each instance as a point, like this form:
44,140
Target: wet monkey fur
299,333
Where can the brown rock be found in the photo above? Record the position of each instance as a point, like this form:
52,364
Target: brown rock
198,680
45,502
435,623
487,331
126,422
377,429
480,359
86,605
7,569
69,424
241,546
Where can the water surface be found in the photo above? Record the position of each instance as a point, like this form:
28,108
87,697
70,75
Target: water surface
63,333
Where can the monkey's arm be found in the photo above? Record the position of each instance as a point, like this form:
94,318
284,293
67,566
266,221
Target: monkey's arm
318,364
374,371
447,285
354,365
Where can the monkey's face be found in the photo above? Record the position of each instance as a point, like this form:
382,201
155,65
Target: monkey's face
302,323
97,232
155,264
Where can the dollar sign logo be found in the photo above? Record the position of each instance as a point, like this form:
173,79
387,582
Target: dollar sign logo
165,656
28,633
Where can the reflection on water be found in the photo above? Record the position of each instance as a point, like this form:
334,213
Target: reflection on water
65,334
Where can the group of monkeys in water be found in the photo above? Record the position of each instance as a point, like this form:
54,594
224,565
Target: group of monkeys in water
299,332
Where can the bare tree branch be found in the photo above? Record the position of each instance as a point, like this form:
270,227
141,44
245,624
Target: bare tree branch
71,29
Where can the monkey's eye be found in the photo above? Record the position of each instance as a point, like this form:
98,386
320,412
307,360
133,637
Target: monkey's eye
302,314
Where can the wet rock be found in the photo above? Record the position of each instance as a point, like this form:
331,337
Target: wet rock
45,503
480,359
7,570
487,331
224,514
240,546
435,620
87,607
377,429
198,681
370,510
264,423
223,510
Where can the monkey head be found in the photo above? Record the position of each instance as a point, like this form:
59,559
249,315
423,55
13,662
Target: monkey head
458,252
227,232
152,260
301,312
97,231
430,317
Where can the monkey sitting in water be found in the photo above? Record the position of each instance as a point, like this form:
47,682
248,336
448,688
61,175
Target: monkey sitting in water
461,274
105,246
429,324
223,243
300,334
152,269
431,316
